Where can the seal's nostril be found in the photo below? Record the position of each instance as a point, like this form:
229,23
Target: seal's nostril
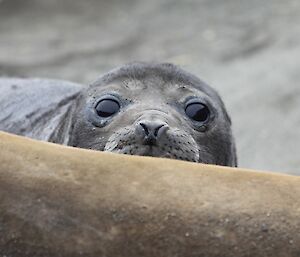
151,131
144,126
157,129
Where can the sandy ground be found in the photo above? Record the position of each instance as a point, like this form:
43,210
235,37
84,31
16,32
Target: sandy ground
248,50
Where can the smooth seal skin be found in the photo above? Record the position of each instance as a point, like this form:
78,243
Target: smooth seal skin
144,109
60,201
154,110
38,108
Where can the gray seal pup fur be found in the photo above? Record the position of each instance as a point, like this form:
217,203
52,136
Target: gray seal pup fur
142,109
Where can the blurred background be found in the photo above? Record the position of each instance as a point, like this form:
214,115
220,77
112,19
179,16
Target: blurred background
248,50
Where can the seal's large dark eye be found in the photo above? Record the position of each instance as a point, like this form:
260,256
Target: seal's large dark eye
107,107
197,111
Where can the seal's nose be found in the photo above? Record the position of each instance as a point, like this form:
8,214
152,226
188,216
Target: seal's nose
151,131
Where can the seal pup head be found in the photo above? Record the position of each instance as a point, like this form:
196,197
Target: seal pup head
155,110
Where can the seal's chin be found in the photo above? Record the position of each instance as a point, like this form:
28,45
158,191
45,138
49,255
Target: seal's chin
142,150
153,151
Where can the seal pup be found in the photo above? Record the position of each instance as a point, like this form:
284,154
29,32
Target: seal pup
143,109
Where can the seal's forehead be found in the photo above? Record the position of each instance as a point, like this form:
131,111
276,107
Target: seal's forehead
141,76
151,89
151,84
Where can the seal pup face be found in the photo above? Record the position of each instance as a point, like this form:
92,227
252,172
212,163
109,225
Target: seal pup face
154,110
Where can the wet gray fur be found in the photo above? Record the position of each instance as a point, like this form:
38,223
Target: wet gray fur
64,113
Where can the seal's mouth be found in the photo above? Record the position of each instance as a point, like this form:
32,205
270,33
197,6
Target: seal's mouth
175,145
150,141
149,150
152,151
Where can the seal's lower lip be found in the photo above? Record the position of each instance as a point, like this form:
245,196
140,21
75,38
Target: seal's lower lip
150,141
149,151
154,151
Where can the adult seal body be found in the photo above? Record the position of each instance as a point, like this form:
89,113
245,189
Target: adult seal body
139,109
